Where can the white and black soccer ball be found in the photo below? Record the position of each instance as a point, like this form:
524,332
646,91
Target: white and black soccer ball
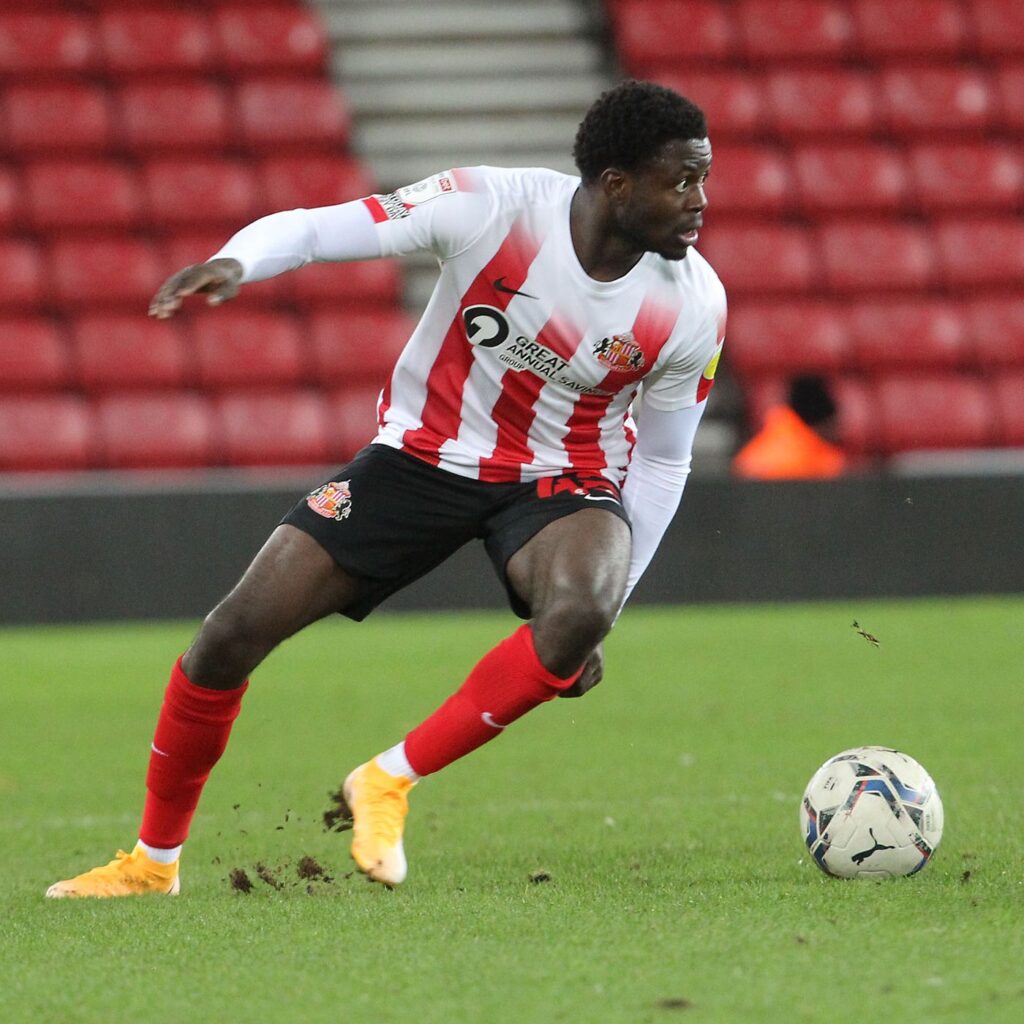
871,812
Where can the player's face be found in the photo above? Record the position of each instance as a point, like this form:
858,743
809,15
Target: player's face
662,207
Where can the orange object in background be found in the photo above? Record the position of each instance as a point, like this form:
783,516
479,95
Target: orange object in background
788,447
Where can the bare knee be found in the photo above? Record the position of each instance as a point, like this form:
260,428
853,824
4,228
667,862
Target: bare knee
227,648
570,626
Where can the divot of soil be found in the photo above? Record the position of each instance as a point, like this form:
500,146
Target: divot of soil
674,1004
339,817
268,876
309,868
540,876
240,881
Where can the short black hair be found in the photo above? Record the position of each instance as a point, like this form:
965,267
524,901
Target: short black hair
627,125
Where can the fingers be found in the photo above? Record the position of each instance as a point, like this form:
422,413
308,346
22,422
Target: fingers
189,281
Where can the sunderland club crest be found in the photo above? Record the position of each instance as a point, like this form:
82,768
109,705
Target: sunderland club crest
620,353
332,501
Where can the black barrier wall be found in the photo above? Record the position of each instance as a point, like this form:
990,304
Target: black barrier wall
73,550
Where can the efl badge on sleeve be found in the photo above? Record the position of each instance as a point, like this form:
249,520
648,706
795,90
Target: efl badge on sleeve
332,501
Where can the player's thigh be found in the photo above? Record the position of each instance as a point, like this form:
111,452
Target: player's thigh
292,582
580,560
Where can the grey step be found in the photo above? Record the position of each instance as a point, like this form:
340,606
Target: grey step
392,61
485,95
392,172
395,135
351,23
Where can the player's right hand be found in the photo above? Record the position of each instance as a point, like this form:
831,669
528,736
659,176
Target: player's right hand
219,279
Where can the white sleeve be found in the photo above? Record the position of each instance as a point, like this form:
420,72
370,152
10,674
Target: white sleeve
443,214
656,478
286,241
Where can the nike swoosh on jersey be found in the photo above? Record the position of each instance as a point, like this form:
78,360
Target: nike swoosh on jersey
500,286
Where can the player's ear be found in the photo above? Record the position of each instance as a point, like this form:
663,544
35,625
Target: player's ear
615,184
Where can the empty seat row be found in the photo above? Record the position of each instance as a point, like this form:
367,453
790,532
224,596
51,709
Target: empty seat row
256,114
864,177
183,429
229,349
653,32
898,413
865,255
124,40
875,337
122,271
804,102
49,196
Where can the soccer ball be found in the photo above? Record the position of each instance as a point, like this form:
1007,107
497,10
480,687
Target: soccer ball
871,812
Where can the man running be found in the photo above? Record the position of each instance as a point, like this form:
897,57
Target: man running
564,304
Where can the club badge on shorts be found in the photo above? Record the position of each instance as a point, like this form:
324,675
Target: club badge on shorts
332,501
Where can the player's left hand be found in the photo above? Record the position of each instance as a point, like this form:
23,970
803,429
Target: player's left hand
593,673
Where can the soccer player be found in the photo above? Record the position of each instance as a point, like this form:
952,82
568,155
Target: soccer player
563,303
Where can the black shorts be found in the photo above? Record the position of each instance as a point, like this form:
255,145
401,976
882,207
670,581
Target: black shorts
388,518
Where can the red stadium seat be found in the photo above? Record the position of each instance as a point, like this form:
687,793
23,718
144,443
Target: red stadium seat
757,258
880,256
269,38
81,194
998,26
279,112
976,176
352,416
176,115
200,191
940,100
908,335
938,411
850,177
24,278
331,284
67,117
239,348
155,40
816,102
789,337
274,428
10,199
856,416
1008,398
105,271
996,330
135,431
784,29
661,32
182,250
357,348
45,432
1010,83
121,351
981,252
291,182
750,180
733,101
890,28
50,43
33,355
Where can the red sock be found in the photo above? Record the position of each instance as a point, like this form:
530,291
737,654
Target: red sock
191,734
506,683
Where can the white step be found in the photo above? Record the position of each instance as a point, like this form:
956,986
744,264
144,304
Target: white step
485,95
484,134
527,18
394,61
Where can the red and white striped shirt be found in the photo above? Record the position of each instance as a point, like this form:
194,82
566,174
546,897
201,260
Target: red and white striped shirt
522,365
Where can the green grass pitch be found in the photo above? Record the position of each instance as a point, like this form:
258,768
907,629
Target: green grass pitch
662,808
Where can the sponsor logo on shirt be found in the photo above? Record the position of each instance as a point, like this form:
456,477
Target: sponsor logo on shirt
620,353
